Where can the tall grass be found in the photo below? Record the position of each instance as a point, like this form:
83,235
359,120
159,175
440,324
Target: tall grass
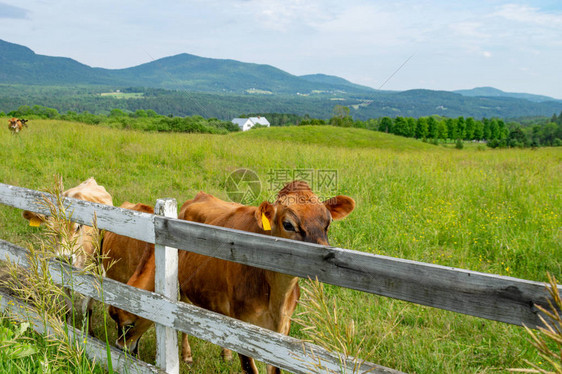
44,298
495,211
548,340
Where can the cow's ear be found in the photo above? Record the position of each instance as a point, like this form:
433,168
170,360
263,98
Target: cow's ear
264,215
340,206
33,218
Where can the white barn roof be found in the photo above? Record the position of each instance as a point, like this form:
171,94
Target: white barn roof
248,123
260,120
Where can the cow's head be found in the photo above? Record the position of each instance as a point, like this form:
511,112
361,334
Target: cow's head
78,240
299,214
14,125
130,328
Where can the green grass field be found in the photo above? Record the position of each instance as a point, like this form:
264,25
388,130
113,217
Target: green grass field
495,211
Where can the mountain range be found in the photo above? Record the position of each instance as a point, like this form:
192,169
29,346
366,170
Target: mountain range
19,65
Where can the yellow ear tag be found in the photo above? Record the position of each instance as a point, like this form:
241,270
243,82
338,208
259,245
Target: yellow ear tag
265,222
34,222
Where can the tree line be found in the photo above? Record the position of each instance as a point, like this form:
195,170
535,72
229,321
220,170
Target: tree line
495,132
144,120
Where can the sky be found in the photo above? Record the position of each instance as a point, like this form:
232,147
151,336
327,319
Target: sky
515,46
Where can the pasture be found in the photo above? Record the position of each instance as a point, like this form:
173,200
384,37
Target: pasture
495,211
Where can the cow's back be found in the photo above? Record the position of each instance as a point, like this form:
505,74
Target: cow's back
205,208
90,190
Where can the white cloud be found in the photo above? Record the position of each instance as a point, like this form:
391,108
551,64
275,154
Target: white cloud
529,15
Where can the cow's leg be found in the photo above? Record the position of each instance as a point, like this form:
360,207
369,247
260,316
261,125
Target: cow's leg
186,349
226,354
248,365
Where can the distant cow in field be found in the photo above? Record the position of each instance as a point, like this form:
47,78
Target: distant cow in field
262,297
15,125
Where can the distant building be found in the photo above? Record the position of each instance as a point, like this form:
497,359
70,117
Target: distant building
247,123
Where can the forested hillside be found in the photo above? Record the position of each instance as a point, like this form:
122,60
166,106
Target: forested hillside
186,85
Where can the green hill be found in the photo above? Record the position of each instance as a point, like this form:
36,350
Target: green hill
186,85
189,72
494,92
20,65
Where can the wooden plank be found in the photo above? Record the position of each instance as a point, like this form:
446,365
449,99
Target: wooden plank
95,349
494,297
483,295
285,352
121,221
166,284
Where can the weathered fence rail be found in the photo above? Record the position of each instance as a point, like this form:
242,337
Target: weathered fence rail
94,348
494,297
288,353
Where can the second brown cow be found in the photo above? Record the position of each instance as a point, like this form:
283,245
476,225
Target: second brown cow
261,297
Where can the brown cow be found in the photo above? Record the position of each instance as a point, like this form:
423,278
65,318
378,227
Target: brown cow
15,125
81,235
120,256
80,244
262,297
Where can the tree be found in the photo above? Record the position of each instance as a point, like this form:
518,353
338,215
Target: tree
451,128
341,111
517,138
461,127
140,113
386,125
478,130
486,130
470,127
503,131
117,113
411,127
421,128
549,132
441,130
494,129
341,117
400,126
432,127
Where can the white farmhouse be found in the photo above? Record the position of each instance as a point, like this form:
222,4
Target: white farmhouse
247,123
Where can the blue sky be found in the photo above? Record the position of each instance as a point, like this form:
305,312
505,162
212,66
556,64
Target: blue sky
515,46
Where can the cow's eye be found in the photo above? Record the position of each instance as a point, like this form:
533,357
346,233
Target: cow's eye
288,226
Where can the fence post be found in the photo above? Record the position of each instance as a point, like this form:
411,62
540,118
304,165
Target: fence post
166,283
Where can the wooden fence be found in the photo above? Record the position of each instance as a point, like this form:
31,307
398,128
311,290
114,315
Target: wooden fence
494,297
